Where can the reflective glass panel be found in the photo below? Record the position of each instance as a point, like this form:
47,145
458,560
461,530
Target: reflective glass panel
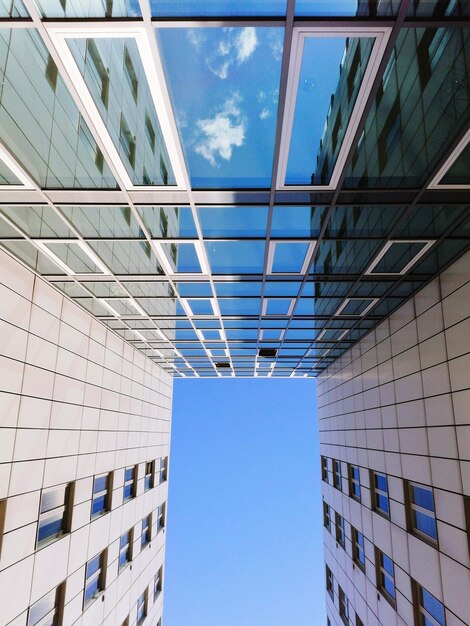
15,8
40,122
113,66
89,8
296,221
169,222
346,7
459,172
325,100
37,221
197,8
103,221
439,8
421,107
225,97
236,257
233,221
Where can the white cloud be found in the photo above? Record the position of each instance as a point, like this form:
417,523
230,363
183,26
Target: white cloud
232,49
218,135
196,37
246,43
265,113
261,95
276,44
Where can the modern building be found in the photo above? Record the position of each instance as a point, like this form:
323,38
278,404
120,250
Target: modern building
217,189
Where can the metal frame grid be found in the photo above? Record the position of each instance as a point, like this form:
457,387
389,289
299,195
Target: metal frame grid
323,335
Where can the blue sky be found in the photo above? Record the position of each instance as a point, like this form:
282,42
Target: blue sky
244,533
225,97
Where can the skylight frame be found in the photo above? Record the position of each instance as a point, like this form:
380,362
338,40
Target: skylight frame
300,33
447,165
154,74
272,253
428,243
344,304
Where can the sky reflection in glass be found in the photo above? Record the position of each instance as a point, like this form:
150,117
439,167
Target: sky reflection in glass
317,83
225,98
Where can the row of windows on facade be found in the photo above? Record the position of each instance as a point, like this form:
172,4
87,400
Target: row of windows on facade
56,503
48,611
428,611
419,499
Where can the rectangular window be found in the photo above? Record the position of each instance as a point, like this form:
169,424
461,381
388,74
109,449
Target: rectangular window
359,621
354,72
336,130
158,582
429,611
130,483
163,171
98,70
163,469
358,548
94,578
326,516
343,606
337,474
127,141
146,530
150,132
125,549
54,512
142,607
390,135
89,144
421,512
380,501
354,482
130,73
324,468
330,582
161,511
47,610
149,475
101,502
340,534
385,576
51,72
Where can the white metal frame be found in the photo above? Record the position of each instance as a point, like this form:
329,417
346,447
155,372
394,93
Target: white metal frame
344,304
436,181
381,36
428,243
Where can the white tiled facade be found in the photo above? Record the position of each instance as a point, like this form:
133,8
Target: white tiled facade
76,401
398,404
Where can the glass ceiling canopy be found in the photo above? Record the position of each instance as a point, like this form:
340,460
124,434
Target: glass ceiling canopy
236,188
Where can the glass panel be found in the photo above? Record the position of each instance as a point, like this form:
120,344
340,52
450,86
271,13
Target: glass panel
323,89
52,526
89,8
422,106
15,8
277,307
422,497
296,221
227,128
459,172
397,257
380,482
345,257
39,121
425,524
346,7
439,8
41,608
53,499
289,257
236,257
432,605
233,221
127,257
103,221
169,222
182,257
74,257
98,505
37,221
114,66
217,7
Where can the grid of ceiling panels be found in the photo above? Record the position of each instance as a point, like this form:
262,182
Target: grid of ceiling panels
189,174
